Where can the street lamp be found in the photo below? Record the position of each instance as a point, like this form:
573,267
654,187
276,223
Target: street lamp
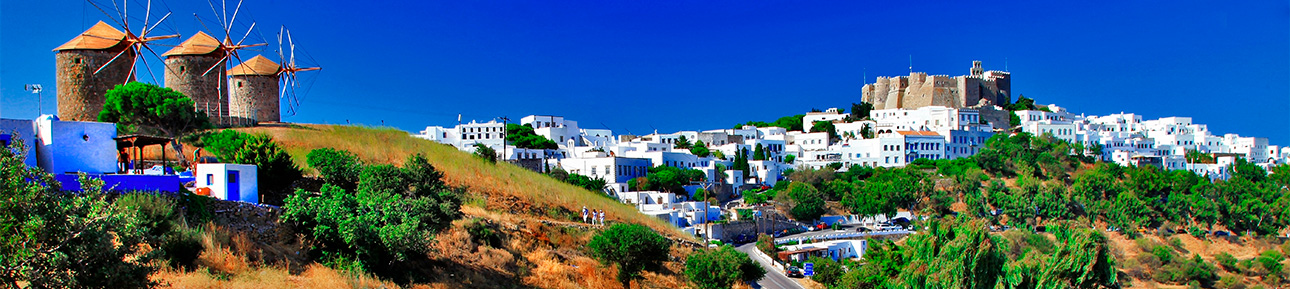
35,88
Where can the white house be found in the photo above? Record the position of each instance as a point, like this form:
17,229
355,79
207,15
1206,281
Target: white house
616,171
233,182
75,146
830,115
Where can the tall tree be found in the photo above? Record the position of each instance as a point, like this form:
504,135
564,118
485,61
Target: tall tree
860,110
144,108
759,153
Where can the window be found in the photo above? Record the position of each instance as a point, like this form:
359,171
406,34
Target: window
232,177
210,179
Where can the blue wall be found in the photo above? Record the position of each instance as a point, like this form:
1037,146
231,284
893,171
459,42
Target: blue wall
71,182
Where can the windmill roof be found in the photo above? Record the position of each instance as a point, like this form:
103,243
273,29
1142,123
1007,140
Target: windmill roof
100,36
199,44
257,65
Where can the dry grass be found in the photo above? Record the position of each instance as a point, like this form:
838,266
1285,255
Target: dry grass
505,185
315,276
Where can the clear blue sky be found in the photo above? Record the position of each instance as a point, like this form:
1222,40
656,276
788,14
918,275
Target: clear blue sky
685,65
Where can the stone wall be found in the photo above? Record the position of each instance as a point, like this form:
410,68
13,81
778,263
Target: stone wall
188,74
920,90
80,90
255,96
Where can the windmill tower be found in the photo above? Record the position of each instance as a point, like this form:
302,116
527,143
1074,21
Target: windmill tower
186,67
100,58
215,60
253,90
259,85
88,66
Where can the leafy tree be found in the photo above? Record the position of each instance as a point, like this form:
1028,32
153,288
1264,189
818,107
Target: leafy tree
523,136
860,110
389,221
700,149
805,202
57,240
826,126
827,271
788,159
682,143
759,153
144,108
633,247
484,152
721,268
952,255
585,182
671,179
1013,119
274,166
790,123
1022,103
337,167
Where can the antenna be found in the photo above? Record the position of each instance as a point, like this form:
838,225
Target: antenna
911,63
1005,64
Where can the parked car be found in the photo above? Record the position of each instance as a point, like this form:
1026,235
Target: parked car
862,229
1221,233
794,272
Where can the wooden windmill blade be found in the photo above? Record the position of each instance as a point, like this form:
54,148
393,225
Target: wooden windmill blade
227,44
289,75
135,43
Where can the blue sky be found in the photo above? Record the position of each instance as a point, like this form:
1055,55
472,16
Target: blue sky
637,66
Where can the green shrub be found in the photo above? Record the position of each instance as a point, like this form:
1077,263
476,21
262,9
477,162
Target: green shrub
484,232
383,178
1165,254
336,167
633,247
155,215
384,224
182,247
484,152
196,208
1227,261
274,169
721,268
827,271
1271,260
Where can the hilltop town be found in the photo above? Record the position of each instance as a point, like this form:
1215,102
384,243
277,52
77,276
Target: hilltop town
923,181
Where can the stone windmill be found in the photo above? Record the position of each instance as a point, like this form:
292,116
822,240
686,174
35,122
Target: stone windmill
101,58
259,85
197,67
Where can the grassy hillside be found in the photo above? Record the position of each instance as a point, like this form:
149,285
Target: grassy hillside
519,229
508,188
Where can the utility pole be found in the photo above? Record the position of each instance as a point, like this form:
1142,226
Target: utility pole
505,122
40,103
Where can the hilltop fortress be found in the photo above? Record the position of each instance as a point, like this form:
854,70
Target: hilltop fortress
919,89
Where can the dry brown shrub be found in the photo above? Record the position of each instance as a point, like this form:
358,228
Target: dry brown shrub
548,272
319,276
456,245
219,258
590,274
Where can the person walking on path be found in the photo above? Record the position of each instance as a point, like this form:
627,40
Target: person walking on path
602,217
584,214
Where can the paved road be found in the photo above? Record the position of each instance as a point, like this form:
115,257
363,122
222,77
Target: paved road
774,279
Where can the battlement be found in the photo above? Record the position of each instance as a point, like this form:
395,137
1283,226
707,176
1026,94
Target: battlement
920,89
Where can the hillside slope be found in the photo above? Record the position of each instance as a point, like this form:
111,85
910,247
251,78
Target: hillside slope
508,188
519,229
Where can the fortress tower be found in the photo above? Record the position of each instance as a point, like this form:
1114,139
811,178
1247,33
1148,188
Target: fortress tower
919,89
81,90
196,69
254,90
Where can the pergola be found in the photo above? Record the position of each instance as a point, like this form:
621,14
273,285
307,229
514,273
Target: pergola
138,142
